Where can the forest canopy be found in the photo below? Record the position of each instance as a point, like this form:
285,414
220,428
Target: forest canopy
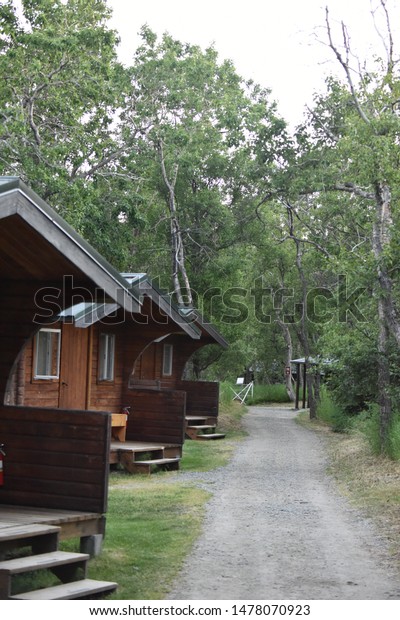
175,165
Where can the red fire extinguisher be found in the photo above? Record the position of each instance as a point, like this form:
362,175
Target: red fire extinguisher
2,455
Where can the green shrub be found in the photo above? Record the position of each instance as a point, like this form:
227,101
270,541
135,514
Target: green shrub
331,413
225,392
393,441
367,422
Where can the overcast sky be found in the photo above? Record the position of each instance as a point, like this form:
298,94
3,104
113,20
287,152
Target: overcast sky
278,43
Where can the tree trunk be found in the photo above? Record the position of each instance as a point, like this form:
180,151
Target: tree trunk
388,318
384,400
289,356
178,267
312,391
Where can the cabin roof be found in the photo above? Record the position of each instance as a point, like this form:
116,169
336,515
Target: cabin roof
34,230
85,314
207,327
191,315
144,285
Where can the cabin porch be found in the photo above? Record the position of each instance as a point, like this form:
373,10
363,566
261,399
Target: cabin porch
152,434
72,523
54,487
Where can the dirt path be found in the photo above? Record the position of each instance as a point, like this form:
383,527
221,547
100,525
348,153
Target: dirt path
277,529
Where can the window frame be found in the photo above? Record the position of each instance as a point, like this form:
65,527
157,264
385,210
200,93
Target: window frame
49,356
167,361
106,361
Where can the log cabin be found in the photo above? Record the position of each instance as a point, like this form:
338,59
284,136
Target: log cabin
84,361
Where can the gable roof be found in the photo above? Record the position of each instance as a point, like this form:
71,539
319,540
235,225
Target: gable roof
143,285
207,327
41,237
182,315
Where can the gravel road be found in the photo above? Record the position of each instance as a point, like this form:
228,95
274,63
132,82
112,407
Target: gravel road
276,527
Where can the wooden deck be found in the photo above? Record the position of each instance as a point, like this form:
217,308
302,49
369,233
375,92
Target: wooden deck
71,523
142,446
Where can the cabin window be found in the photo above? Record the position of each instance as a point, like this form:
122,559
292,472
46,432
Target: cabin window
106,357
167,359
47,354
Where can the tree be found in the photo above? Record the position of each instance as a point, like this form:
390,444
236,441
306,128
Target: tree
61,89
197,126
345,168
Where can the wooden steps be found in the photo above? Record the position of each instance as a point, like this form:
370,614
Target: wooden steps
210,436
43,560
144,458
202,428
68,568
41,538
83,589
133,466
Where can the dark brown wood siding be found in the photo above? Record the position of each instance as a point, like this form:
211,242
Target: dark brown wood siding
107,395
202,397
55,458
156,415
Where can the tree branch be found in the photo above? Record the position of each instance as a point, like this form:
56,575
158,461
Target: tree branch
345,64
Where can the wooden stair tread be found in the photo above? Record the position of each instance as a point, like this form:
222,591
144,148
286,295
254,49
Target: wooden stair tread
27,531
158,461
41,561
65,591
209,436
200,427
196,417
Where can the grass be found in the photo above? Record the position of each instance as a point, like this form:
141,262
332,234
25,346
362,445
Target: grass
332,413
275,393
151,527
370,481
153,521
208,455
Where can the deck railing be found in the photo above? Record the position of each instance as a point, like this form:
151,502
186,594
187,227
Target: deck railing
156,415
202,397
55,458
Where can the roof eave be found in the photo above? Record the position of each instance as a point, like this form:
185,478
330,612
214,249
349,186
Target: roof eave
97,268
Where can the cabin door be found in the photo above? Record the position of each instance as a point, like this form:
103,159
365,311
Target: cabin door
73,367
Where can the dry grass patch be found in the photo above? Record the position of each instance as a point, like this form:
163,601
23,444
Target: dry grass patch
230,418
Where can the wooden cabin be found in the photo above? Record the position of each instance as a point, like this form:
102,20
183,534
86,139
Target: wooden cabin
55,475
126,362
162,366
84,361
111,360
73,332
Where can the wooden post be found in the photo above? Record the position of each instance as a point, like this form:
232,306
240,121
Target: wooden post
297,386
304,383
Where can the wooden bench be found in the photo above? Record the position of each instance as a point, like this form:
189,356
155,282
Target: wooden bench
118,426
